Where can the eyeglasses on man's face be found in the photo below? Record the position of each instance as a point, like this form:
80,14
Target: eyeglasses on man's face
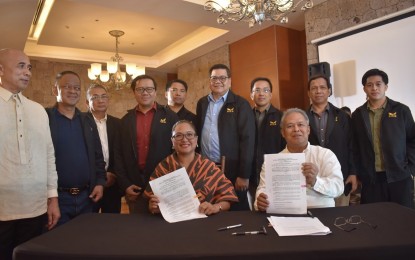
259,90
76,88
180,136
149,90
220,78
345,224
103,97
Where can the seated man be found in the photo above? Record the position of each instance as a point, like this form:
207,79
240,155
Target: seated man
322,170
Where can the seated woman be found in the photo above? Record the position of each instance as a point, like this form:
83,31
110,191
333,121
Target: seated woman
215,191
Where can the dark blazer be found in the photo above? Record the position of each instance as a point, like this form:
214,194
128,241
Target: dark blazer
268,139
338,137
236,127
397,139
184,114
92,142
126,157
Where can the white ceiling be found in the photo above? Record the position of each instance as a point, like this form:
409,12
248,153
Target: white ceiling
159,34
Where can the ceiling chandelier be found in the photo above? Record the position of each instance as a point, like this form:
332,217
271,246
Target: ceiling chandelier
113,77
255,11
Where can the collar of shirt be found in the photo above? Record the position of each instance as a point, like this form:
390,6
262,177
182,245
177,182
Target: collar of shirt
137,109
304,151
266,109
382,106
103,120
222,98
7,95
326,109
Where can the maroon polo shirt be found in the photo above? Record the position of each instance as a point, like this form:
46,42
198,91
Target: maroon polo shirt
143,125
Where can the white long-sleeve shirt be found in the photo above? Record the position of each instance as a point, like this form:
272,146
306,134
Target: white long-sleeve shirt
27,158
329,181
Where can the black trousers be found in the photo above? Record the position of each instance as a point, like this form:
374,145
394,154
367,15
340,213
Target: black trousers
382,191
16,232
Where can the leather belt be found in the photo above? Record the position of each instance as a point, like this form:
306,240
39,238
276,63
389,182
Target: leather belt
73,191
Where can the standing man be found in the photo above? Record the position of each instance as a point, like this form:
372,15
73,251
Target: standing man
268,138
226,127
144,142
97,100
384,144
176,92
28,179
322,170
330,128
79,160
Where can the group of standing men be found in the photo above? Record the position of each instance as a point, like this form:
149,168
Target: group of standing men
99,157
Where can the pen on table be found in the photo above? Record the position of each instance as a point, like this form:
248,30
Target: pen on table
309,214
262,231
229,227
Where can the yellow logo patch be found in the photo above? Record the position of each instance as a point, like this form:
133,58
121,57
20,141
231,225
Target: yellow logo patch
272,123
230,110
163,120
392,114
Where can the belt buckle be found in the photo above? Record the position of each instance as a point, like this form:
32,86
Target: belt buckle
74,191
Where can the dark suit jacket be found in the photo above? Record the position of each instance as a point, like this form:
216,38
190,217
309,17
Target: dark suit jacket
185,114
268,139
338,137
236,127
126,157
397,139
92,142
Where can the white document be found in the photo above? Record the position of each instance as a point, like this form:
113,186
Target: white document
285,185
178,200
298,226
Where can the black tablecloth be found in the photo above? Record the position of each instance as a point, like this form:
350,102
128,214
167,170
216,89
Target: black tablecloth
114,236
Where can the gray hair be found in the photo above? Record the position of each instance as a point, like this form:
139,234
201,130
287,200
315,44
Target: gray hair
294,110
92,86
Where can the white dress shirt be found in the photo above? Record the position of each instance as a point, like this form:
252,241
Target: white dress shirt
27,158
103,136
329,181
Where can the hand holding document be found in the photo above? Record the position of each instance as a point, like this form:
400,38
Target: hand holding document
298,226
285,183
178,200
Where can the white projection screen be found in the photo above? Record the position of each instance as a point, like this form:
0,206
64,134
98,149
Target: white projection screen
387,44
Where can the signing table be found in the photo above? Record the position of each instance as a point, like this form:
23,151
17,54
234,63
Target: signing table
114,236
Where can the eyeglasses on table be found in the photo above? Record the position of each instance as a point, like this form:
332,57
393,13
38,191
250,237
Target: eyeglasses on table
349,224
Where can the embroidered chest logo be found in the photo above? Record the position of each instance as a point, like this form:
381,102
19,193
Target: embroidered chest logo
230,110
336,119
390,114
163,120
273,123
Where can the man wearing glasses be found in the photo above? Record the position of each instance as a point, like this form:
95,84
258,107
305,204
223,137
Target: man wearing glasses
144,142
79,161
176,92
97,100
226,127
268,139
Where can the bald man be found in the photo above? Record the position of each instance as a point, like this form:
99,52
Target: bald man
28,183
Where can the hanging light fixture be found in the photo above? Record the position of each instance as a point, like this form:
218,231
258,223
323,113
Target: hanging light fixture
113,77
255,11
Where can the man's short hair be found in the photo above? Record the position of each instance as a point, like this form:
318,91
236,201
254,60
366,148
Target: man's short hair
318,76
220,67
375,72
141,77
294,110
91,87
168,85
63,73
255,80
